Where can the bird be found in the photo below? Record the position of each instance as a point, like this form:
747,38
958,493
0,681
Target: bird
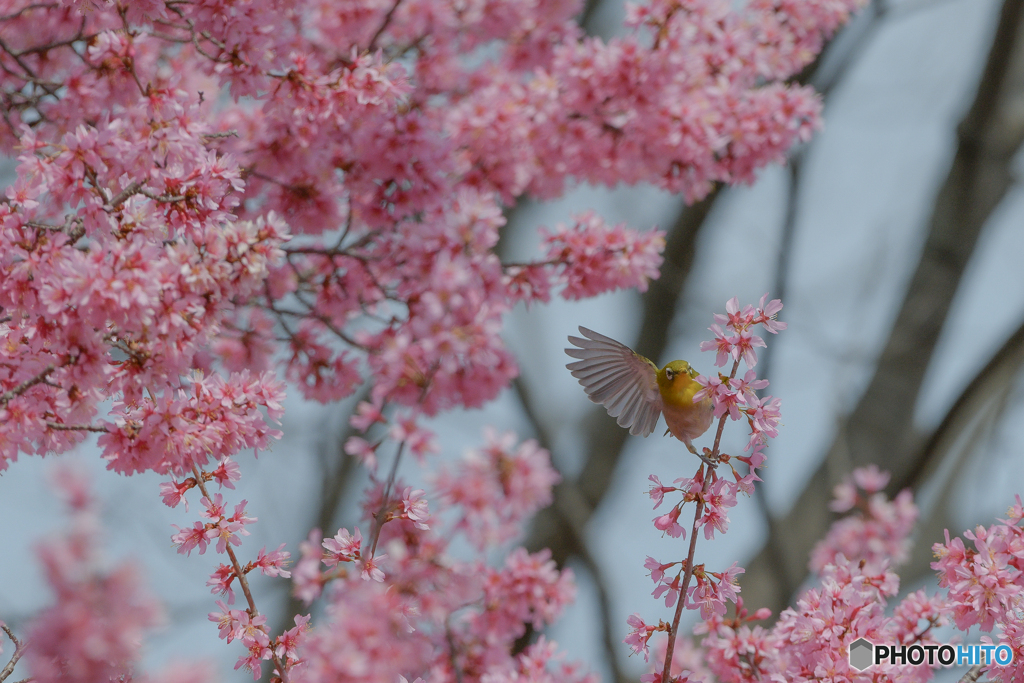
633,389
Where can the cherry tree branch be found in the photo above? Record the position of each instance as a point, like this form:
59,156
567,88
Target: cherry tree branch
243,582
688,569
19,650
26,385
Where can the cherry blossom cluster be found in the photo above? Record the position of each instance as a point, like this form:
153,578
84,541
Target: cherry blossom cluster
94,628
374,137
986,583
497,488
879,532
597,258
208,191
811,640
416,609
118,298
735,396
588,258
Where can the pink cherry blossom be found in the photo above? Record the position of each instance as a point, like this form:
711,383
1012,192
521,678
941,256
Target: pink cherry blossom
344,547
880,530
274,562
212,199
658,491
722,345
639,635
669,523
371,569
173,492
227,620
719,498
220,582
870,478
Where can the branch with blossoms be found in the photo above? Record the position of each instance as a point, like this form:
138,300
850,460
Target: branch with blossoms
713,495
879,532
853,592
463,616
983,587
224,529
332,208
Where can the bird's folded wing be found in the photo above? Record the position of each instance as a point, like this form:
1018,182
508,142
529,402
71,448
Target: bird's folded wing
624,382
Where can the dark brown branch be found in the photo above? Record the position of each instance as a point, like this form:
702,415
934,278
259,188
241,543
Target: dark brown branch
880,429
948,451
383,26
26,385
75,428
776,560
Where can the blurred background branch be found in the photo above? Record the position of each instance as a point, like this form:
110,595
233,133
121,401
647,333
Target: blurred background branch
880,429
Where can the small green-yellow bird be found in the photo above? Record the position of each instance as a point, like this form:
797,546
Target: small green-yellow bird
633,389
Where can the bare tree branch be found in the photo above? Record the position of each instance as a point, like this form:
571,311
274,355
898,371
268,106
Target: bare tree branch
947,453
19,650
838,66
880,428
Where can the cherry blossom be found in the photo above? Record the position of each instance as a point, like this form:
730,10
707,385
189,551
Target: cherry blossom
880,530
213,200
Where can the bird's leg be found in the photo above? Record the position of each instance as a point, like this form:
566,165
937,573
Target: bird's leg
700,455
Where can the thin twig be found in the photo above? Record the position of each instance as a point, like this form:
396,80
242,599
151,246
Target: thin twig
76,428
688,570
240,574
19,650
26,385
378,519
124,194
60,427
380,31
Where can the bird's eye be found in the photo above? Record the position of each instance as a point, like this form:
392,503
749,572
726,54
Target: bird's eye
669,372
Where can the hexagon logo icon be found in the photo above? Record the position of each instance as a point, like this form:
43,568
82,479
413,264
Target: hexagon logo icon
861,654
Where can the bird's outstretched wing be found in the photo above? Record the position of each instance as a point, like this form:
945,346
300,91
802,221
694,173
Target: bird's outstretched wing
623,381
